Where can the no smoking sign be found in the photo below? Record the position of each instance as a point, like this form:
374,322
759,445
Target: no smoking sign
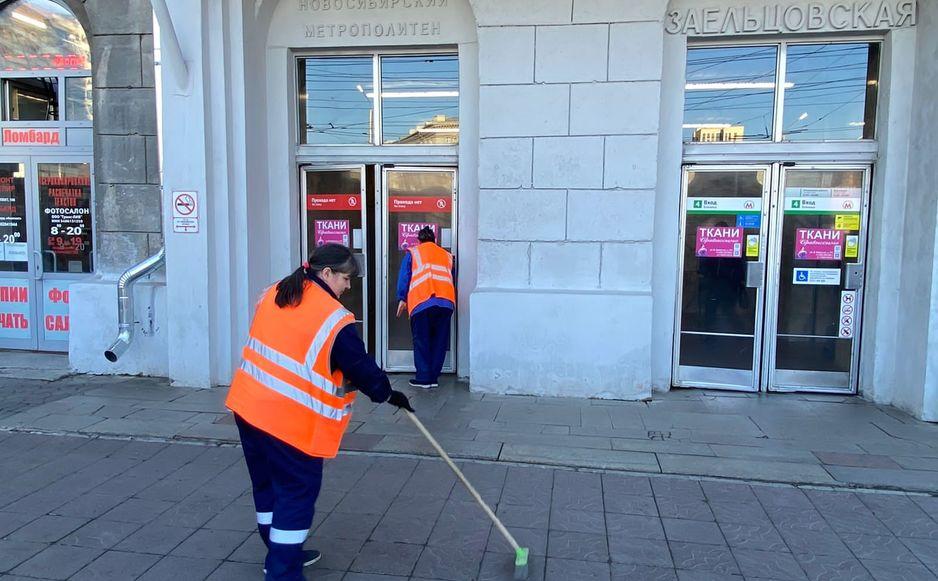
185,212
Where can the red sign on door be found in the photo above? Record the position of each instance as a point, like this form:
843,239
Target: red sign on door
55,320
14,309
420,204
334,202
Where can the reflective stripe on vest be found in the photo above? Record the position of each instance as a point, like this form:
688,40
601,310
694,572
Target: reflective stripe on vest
431,275
285,385
428,275
323,335
296,394
422,272
305,370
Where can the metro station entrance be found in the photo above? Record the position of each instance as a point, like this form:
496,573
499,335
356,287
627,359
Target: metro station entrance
377,211
772,270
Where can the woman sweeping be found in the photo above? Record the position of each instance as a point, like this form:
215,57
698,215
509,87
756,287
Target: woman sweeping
292,399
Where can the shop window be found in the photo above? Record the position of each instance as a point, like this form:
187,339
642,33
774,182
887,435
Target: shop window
378,100
31,99
78,99
420,99
38,35
45,62
14,256
829,92
65,217
730,93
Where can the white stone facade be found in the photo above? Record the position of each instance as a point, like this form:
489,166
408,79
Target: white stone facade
569,158
561,95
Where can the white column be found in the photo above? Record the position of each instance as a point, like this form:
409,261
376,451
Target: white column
186,142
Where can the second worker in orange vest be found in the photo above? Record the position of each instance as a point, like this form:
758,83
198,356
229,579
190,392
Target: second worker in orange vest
292,399
426,289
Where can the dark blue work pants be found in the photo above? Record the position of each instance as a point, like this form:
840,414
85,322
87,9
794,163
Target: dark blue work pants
286,483
430,329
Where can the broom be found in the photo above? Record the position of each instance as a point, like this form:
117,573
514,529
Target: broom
521,553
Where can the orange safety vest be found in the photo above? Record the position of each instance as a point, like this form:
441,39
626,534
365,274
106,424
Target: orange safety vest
431,275
286,386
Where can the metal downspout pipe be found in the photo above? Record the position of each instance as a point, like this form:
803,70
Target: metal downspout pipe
171,53
125,303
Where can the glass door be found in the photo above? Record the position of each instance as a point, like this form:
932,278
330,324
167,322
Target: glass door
722,272
819,244
46,244
64,248
414,197
334,211
18,270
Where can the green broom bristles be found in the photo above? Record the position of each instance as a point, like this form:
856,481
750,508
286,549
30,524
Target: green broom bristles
521,563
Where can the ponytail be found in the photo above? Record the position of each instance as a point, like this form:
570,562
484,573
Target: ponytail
290,289
336,257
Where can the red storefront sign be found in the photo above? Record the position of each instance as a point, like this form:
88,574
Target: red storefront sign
334,202
430,204
44,62
32,137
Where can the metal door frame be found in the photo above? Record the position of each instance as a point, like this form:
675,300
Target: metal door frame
383,235
758,324
31,276
304,242
773,278
41,276
36,274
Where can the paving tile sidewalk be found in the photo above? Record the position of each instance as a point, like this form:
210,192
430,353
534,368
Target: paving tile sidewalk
791,438
95,509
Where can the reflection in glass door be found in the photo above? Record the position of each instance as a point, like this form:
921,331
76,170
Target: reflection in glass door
46,244
811,269
17,279
334,212
722,269
413,198
814,311
65,248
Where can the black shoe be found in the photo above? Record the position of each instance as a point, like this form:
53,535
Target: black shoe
415,383
310,556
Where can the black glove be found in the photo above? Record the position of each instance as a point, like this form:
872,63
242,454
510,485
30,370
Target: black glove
400,400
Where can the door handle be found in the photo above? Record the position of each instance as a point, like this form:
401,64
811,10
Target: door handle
37,265
362,264
755,274
854,276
